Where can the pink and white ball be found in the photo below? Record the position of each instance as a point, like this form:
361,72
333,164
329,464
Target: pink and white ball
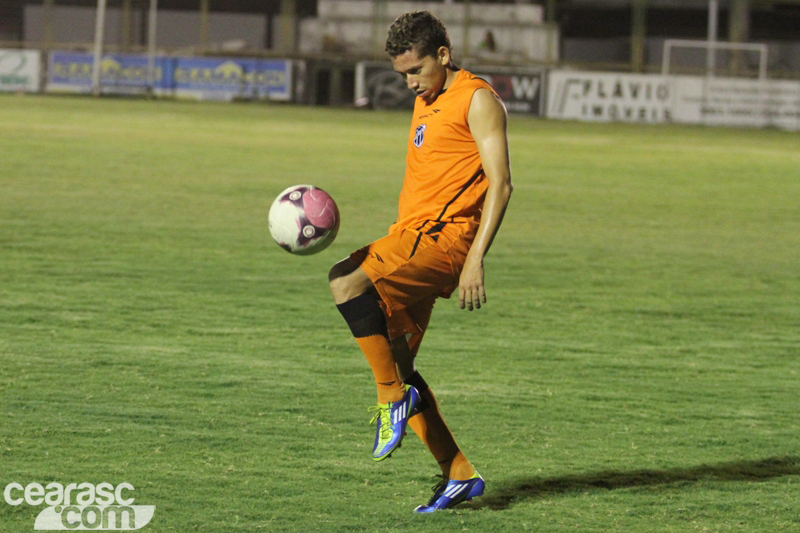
304,220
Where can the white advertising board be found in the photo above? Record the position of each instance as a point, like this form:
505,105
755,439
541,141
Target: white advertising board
605,97
20,70
738,102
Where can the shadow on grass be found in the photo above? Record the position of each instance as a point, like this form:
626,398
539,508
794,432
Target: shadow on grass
611,480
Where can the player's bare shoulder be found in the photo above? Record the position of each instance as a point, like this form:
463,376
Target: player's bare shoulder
487,108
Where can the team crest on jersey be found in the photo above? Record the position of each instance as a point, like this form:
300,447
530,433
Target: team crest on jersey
419,136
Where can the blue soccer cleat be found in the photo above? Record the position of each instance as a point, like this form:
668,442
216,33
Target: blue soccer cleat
447,494
392,419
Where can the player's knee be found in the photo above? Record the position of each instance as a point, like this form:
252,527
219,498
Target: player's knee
341,269
339,280
338,286
333,274
346,281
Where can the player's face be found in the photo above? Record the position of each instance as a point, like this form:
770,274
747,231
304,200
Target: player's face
426,76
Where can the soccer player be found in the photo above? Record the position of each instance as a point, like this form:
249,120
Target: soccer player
456,189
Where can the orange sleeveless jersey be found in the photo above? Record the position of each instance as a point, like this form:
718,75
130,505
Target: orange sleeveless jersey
444,186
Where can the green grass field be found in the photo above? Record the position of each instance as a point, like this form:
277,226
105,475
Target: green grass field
635,369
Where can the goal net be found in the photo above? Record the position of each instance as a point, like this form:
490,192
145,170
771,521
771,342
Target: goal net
713,58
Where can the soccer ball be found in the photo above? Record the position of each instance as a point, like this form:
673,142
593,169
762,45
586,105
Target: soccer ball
303,220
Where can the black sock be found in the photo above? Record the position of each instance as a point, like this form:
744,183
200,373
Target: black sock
364,316
416,381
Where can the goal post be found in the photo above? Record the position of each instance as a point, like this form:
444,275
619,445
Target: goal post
712,47
97,49
152,23
99,37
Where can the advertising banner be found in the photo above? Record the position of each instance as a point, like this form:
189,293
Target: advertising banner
738,102
200,78
20,70
119,74
595,96
521,90
604,97
228,79
380,87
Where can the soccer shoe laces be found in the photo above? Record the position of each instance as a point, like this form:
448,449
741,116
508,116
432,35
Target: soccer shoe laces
439,484
382,414
438,489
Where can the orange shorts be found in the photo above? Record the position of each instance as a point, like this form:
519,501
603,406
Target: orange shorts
410,269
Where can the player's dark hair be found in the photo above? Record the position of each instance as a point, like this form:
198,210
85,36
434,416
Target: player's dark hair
418,30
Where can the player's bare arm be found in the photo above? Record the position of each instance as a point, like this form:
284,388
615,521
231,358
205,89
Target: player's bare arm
487,121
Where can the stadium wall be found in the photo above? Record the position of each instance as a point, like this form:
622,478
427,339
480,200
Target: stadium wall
176,29
556,94
500,32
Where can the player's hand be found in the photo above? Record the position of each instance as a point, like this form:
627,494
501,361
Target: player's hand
471,293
